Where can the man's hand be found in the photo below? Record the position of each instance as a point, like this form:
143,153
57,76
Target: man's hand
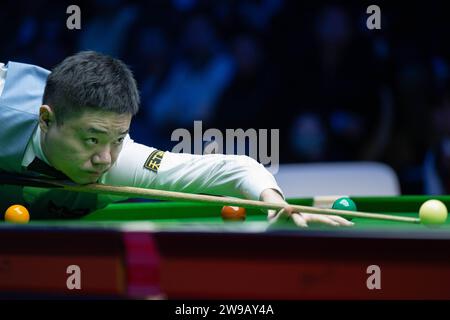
300,219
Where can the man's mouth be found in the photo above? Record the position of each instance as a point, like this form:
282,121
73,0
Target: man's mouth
95,173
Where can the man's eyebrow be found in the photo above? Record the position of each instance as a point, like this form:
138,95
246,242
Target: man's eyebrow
101,131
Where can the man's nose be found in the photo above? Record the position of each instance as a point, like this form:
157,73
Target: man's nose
102,158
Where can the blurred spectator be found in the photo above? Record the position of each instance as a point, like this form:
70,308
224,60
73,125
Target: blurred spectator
107,31
196,80
310,139
258,14
184,5
51,48
335,81
414,90
436,165
253,90
152,61
26,30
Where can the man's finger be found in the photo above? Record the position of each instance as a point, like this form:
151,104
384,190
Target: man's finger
285,213
271,214
280,216
315,218
299,220
342,221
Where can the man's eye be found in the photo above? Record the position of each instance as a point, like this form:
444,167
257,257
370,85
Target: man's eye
120,140
92,141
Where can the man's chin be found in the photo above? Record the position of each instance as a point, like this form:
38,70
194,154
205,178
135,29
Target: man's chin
85,180
88,181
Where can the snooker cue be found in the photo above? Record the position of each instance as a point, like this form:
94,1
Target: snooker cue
6,178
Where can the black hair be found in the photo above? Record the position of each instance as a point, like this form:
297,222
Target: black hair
91,80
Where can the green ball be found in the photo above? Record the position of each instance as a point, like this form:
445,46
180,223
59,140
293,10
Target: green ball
344,203
433,212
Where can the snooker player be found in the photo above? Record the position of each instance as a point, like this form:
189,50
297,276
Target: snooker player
72,123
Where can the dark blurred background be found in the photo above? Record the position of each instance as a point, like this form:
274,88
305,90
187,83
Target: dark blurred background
336,90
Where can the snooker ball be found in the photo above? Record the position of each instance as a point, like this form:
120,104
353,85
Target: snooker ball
433,212
17,214
344,203
230,213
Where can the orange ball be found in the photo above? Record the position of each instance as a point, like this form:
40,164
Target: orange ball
17,214
233,213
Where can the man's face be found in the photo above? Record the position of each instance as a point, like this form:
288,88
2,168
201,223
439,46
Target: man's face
84,146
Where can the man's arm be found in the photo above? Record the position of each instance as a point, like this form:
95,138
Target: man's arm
227,175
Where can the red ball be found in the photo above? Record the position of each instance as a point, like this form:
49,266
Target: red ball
233,213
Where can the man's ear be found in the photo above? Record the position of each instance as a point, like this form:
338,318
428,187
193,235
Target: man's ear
46,117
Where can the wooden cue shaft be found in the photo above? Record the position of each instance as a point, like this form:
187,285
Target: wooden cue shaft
172,195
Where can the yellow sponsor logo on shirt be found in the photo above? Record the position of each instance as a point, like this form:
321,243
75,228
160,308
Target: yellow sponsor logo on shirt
154,160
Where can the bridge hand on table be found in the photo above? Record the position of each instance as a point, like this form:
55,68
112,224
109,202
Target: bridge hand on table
300,219
306,219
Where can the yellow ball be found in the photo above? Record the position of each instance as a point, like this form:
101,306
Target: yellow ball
17,214
433,212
